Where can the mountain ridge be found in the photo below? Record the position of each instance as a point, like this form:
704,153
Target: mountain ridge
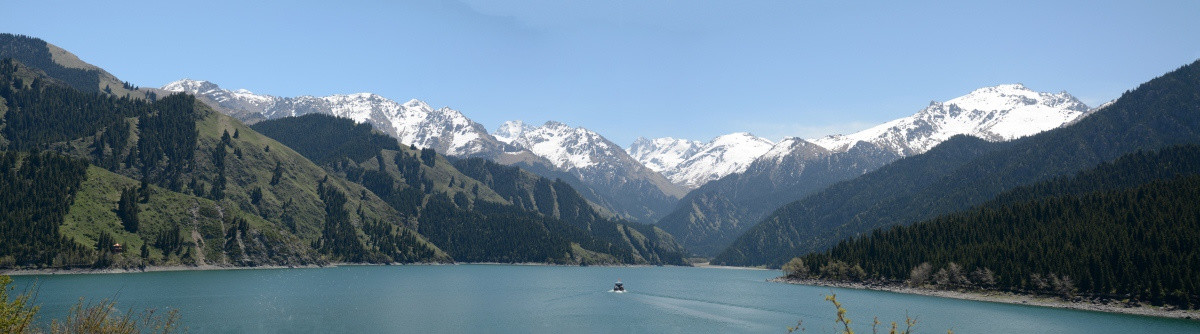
449,132
715,213
1158,113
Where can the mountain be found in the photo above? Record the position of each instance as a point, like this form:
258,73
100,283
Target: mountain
691,164
475,209
997,113
636,192
185,190
555,198
639,194
66,67
1132,226
413,123
711,216
961,173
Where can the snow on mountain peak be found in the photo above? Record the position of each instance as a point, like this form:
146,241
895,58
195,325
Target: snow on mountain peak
565,146
1002,112
784,148
413,123
511,130
693,163
663,154
189,85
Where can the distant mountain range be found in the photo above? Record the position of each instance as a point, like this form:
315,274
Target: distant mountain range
734,180
997,113
692,163
965,171
601,170
711,216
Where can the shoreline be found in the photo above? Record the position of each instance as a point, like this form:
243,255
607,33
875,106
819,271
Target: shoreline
711,266
1004,297
149,269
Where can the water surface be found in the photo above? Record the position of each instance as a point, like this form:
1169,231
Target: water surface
539,299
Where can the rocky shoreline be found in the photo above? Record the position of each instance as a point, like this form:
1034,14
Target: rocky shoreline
1004,297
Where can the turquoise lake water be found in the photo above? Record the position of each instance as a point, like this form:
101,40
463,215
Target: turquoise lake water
544,299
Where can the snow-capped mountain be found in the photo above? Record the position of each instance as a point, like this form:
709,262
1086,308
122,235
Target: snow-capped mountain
595,160
597,168
997,113
709,217
692,164
566,147
413,123
663,154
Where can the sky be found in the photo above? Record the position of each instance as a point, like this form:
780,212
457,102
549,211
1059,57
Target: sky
648,68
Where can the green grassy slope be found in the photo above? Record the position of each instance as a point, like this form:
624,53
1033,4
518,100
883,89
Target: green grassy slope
203,226
247,177
475,209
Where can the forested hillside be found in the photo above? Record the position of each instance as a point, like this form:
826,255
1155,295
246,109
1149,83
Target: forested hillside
264,196
711,217
36,191
65,67
1162,112
1129,229
557,199
530,220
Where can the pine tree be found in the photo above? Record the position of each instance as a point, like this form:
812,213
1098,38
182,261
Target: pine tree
127,210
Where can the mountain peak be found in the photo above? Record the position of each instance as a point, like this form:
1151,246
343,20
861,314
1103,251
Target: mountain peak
692,163
189,85
555,124
995,113
414,122
417,104
511,130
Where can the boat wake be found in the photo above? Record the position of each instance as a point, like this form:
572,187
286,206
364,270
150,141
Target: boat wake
709,310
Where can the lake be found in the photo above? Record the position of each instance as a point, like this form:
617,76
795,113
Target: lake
540,299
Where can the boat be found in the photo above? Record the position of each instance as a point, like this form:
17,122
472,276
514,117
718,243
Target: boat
619,287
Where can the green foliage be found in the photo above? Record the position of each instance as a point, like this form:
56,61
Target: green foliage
844,321
104,317
169,240
36,191
464,216
795,268
167,140
962,173
1126,229
127,210
44,111
277,173
338,237
327,139
557,199
175,143
16,312
36,53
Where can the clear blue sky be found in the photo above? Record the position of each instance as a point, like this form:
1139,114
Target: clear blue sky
687,69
